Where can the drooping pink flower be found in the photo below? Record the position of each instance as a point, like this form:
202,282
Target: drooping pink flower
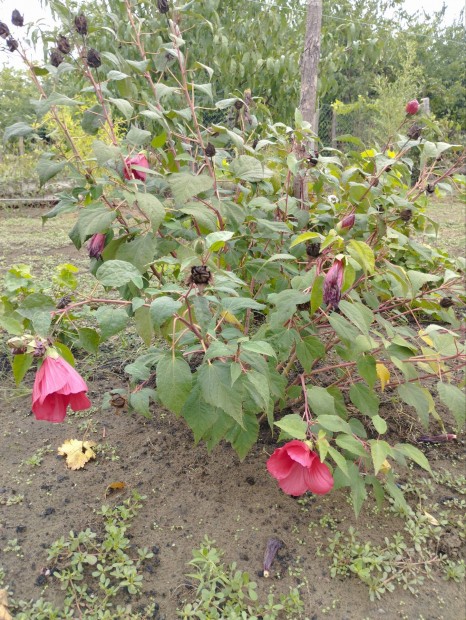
298,469
130,172
332,283
56,386
348,221
96,245
412,107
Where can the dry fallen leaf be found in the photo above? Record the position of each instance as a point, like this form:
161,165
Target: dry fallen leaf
4,613
431,519
77,452
114,487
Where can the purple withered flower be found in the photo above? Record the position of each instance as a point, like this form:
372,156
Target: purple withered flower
332,284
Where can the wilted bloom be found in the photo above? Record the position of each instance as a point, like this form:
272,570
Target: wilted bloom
4,30
56,386
210,150
56,58
96,245
12,44
414,132
93,58
298,469
412,107
63,45
17,19
332,284
348,221
273,546
163,6
80,23
131,173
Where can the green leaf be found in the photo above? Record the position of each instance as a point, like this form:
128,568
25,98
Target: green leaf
21,364
320,401
116,273
93,119
116,75
235,304
344,329
367,369
250,169
358,314
348,442
152,208
454,399
174,382
64,352
89,339
243,437
91,220
216,241
140,401
414,395
414,454
217,390
199,415
362,254
308,350
16,130
340,460
139,252
364,399
138,137
184,185
111,321
379,424
379,451
139,65
333,423
358,488
143,324
163,308
11,325
258,346
105,152
293,425
317,293
46,169
123,106
305,237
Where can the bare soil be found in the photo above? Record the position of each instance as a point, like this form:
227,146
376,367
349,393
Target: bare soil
189,493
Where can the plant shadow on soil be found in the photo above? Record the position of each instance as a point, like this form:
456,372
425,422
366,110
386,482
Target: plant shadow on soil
190,494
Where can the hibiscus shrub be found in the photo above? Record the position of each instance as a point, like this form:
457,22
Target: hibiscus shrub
268,283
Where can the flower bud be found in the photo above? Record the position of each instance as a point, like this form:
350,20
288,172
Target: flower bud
80,23
96,245
412,107
4,30
406,215
63,45
348,221
12,44
17,19
414,132
446,302
163,6
210,150
333,283
56,58
93,58
313,249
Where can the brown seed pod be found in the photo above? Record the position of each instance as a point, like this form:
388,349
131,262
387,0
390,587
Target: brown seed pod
163,6
80,23
17,19
117,400
56,58
64,302
93,58
406,215
18,350
63,45
414,132
374,182
238,104
4,30
210,150
313,249
200,275
447,302
12,44
430,189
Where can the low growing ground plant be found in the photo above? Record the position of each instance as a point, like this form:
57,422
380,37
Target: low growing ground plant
270,284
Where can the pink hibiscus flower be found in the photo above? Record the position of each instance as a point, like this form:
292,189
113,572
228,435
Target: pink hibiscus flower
332,283
412,107
130,172
56,386
96,245
298,469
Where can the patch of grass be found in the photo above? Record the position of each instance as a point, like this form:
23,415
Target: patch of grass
450,214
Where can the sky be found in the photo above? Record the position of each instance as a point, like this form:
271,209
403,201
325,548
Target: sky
34,11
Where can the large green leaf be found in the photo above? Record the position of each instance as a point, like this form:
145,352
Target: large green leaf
92,219
21,364
152,208
364,399
174,382
415,395
111,321
454,399
250,169
320,401
46,169
293,425
184,185
93,119
163,308
117,273
217,390
379,451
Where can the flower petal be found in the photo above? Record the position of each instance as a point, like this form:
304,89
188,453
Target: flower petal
299,452
79,402
318,477
295,483
52,409
279,464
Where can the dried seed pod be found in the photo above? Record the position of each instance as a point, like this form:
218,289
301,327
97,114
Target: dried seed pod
117,400
163,6
200,275
80,23
4,30
430,189
93,58
64,302
12,44
406,215
313,249
56,58
210,150
374,182
18,350
39,350
446,302
63,45
414,132
238,104
437,438
313,160
273,546
17,19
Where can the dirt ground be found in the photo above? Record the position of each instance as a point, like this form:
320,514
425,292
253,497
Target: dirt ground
189,493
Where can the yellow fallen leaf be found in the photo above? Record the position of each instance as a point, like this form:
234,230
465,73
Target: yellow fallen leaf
77,453
4,613
385,467
383,374
230,318
432,520
114,487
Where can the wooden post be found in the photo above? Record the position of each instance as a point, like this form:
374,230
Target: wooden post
310,62
425,102
334,129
